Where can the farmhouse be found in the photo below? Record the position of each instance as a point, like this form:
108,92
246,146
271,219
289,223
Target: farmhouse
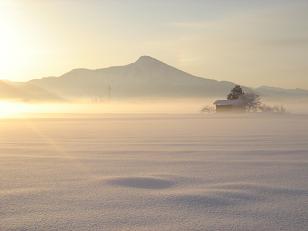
228,105
233,103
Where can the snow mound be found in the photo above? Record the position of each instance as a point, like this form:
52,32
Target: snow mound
141,182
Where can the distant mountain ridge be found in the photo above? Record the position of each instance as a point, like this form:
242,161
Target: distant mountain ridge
276,92
145,78
25,92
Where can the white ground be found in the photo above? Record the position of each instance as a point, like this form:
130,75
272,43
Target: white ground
154,172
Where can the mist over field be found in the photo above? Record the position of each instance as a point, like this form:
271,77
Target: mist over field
18,109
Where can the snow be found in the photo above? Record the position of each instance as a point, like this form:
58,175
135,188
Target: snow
226,102
154,172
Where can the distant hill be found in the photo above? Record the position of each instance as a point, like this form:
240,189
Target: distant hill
278,93
25,92
145,78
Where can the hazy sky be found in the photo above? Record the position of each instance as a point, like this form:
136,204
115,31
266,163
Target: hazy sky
250,42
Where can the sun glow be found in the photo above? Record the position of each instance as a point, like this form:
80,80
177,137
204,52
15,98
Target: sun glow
15,109
12,109
7,37
18,41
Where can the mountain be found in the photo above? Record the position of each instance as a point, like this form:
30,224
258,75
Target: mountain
145,78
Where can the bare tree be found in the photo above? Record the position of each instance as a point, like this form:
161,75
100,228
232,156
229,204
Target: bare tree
272,109
208,109
251,101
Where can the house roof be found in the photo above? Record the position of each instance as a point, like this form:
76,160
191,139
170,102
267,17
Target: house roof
227,102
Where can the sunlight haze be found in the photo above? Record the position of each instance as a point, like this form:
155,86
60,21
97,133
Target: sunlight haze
249,42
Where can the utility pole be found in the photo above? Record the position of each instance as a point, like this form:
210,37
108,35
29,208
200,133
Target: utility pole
109,92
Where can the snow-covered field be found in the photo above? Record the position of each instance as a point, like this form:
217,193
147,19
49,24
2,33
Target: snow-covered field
154,172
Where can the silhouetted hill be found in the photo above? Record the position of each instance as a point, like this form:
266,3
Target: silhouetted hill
25,92
278,93
145,78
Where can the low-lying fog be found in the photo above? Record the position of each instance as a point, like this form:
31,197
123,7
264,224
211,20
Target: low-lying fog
20,109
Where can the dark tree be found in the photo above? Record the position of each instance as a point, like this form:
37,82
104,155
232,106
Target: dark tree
236,93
